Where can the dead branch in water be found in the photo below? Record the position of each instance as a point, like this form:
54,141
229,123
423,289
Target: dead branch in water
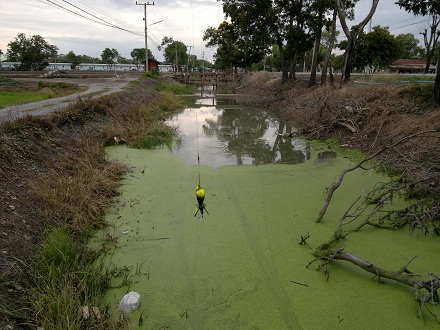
403,275
335,185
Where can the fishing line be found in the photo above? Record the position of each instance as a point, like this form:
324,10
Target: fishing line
200,192
198,149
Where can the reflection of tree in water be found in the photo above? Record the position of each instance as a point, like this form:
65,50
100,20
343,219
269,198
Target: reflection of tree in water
242,130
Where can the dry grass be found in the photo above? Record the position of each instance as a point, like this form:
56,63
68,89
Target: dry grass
79,189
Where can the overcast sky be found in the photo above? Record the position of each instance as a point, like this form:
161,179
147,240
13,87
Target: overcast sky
183,20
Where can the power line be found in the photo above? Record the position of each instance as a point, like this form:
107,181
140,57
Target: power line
400,27
92,17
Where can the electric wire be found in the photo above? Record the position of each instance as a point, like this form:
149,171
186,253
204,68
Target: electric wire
92,17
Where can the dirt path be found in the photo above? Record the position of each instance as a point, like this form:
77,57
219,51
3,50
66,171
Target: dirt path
95,87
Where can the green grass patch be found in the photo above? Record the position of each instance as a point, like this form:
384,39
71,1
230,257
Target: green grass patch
14,92
66,279
392,78
15,98
176,88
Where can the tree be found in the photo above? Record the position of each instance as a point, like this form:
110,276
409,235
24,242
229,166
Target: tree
352,34
223,37
174,51
70,57
88,59
243,39
293,32
320,8
424,8
377,48
138,56
109,55
408,46
329,44
32,52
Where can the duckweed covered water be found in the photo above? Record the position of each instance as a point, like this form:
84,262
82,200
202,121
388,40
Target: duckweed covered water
241,266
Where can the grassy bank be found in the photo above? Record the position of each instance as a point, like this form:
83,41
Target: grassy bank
49,278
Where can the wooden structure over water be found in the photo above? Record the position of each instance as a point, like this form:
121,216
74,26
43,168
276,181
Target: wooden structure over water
214,79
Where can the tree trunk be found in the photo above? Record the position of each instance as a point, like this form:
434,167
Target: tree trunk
329,50
437,82
312,80
293,66
284,68
346,69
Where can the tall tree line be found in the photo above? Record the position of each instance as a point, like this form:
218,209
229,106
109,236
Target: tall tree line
252,27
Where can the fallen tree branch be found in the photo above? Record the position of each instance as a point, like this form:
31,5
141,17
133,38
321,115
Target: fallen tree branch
403,276
351,128
368,157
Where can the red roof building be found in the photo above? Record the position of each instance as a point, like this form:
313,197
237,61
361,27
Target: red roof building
410,66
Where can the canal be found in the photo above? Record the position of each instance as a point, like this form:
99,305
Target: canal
240,266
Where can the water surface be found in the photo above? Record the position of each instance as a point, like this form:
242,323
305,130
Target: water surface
241,266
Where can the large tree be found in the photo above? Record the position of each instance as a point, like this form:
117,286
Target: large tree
294,32
247,32
109,55
320,9
353,33
32,52
174,51
377,48
70,57
425,8
408,46
227,56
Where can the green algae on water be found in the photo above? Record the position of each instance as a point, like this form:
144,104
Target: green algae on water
241,266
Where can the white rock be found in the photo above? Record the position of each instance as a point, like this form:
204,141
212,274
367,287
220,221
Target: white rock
130,302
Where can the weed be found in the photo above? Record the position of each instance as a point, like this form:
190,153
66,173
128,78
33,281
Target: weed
421,97
169,102
64,278
154,73
176,88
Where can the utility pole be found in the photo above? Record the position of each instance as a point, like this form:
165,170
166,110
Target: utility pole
203,63
146,32
189,56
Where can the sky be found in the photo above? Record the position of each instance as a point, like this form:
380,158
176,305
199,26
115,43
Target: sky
183,20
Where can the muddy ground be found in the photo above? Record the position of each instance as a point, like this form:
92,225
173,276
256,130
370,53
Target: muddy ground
364,116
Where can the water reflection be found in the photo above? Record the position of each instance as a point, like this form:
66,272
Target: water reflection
235,136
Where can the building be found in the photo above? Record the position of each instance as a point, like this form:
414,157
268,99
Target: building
9,65
151,64
107,67
166,67
410,66
59,66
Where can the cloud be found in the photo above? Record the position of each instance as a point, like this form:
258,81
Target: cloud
183,20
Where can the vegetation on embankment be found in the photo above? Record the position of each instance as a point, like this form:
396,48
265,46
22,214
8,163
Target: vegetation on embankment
55,187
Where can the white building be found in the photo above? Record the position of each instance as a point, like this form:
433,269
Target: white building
9,65
108,67
165,67
58,66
